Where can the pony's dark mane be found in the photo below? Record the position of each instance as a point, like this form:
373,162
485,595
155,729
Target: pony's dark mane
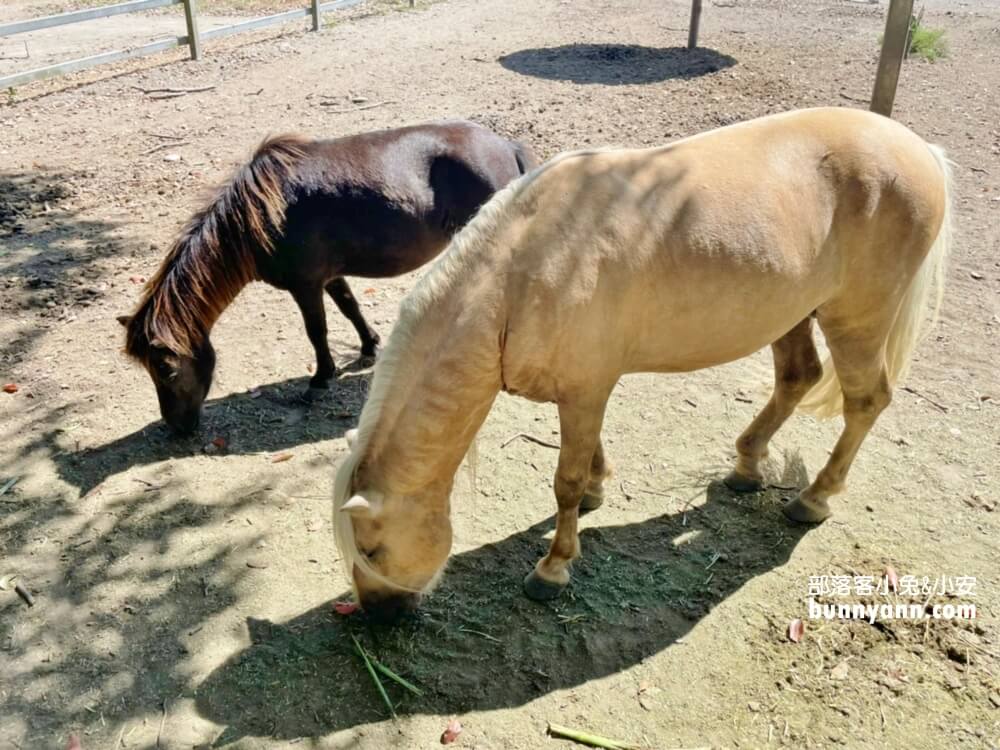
215,255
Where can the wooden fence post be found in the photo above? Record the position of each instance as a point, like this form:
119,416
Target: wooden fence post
191,17
316,15
894,43
693,26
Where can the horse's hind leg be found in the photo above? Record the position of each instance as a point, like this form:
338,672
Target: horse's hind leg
796,369
347,303
859,359
310,302
580,430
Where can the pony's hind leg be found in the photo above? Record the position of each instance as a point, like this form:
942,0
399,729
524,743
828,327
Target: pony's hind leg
859,360
796,369
347,303
580,430
310,302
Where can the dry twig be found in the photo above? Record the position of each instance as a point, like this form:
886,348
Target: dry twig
530,439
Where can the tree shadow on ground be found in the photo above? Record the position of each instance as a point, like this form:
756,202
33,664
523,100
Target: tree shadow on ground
112,618
50,256
479,644
615,64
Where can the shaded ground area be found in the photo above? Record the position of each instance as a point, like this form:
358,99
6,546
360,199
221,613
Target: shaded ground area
183,591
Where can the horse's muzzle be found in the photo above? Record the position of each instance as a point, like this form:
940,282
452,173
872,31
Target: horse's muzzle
389,608
184,424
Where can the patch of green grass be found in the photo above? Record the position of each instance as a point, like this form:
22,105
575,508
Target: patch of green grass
926,42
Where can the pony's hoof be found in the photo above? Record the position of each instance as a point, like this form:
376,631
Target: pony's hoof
806,511
315,393
537,588
591,502
739,483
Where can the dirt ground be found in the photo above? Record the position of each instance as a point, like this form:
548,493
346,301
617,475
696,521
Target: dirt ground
183,598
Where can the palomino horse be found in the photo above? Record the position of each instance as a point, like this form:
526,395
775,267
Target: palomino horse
301,215
669,259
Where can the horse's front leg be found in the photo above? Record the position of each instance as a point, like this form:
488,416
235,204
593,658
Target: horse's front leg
580,429
310,302
347,303
600,469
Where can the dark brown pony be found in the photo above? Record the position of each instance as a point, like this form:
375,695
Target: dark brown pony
302,215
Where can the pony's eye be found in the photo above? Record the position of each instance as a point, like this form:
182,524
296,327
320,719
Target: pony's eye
371,554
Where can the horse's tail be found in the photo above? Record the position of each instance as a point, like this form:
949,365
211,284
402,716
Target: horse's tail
524,156
918,311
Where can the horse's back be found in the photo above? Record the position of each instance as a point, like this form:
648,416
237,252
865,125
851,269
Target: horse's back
705,250
382,203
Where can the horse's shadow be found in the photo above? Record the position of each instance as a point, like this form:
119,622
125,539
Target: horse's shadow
615,64
480,644
276,417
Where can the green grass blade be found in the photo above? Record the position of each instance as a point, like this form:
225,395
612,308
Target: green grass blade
375,679
393,676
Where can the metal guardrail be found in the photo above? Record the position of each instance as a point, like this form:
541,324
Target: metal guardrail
193,38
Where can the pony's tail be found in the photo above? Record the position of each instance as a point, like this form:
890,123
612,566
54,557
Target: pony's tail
926,290
524,156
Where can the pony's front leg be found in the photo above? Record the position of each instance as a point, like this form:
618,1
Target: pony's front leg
600,469
580,428
310,302
347,303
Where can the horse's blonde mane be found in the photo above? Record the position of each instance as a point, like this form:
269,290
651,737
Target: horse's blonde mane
440,281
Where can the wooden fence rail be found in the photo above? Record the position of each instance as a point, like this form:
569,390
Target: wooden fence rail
192,39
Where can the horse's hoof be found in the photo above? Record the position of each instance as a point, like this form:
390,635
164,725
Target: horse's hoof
739,483
315,393
537,588
591,502
806,511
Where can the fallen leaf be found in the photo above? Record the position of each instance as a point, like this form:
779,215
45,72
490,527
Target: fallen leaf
137,279
795,630
10,388
451,732
219,442
345,608
370,290
977,276
281,457
891,578
74,743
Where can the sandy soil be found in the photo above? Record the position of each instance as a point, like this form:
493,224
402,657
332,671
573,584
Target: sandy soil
184,599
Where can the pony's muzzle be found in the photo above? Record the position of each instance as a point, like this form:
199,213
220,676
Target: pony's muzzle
389,608
183,424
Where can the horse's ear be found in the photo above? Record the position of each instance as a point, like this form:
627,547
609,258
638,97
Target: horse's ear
356,504
124,320
351,436
363,506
